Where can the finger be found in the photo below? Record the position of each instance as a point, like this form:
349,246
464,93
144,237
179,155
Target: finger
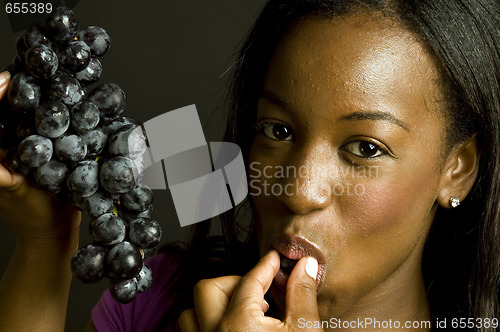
301,292
4,83
265,306
7,178
211,299
249,294
188,321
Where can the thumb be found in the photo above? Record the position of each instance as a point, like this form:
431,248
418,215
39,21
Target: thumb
4,83
301,292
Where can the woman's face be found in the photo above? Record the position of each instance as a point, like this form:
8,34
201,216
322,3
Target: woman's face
345,165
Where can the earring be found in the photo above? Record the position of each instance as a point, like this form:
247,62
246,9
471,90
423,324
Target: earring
454,202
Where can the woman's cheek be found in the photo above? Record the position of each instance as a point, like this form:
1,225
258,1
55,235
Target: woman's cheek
376,210
260,180
386,204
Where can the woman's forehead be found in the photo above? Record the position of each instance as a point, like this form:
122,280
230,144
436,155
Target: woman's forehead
361,59
355,42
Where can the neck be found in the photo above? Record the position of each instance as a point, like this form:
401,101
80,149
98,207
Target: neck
400,299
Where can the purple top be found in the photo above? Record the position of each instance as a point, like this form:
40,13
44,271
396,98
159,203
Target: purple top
152,310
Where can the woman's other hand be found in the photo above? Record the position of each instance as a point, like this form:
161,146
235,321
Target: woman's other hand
235,303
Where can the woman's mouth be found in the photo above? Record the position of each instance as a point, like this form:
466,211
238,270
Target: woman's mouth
291,250
286,264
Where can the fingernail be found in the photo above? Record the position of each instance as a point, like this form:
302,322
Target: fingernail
265,306
312,267
4,78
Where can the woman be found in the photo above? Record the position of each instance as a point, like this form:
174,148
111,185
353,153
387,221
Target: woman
371,134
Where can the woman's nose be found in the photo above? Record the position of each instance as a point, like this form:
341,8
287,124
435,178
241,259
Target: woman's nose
309,186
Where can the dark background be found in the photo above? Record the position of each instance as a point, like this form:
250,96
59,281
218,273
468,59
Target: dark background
164,55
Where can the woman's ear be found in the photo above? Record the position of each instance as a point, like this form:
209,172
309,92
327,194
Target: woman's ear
459,172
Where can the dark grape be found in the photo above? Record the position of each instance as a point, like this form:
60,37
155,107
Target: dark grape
51,176
79,201
98,204
97,38
138,166
149,252
35,36
17,62
24,92
21,47
85,90
128,141
52,119
74,55
14,163
90,74
35,150
96,141
123,291
83,178
107,229
84,116
124,260
61,24
88,263
70,148
65,88
41,61
138,198
128,216
26,127
117,175
109,98
144,279
112,126
144,233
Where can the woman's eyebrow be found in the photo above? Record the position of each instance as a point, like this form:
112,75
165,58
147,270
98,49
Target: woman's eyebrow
272,97
375,115
355,116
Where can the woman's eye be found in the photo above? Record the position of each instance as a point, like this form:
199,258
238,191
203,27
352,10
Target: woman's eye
275,131
364,149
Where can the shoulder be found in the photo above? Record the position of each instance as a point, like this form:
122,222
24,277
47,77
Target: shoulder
154,310
166,266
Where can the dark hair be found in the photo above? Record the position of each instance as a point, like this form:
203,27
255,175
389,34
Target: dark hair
461,261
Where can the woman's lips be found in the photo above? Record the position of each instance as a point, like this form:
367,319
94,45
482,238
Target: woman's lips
294,247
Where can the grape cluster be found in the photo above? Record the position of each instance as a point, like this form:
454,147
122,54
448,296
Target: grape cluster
68,135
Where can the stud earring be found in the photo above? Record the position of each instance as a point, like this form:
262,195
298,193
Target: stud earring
454,202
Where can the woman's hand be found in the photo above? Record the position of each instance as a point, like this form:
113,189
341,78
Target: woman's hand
36,216
237,303
34,288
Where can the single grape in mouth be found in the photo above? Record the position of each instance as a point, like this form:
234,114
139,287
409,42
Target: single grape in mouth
287,264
